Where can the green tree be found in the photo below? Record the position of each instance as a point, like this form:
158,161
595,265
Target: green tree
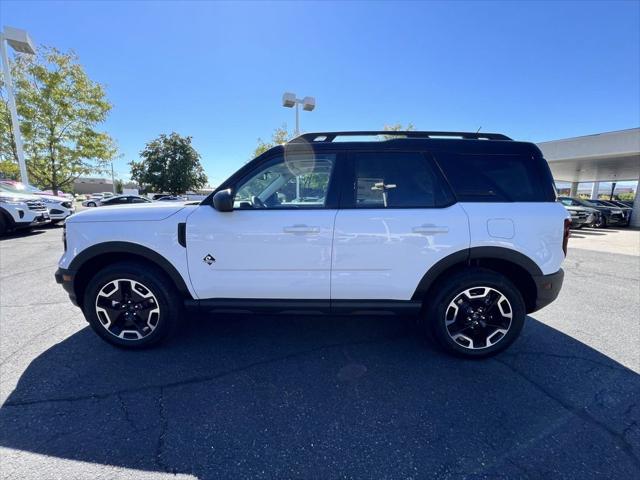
60,109
169,164
397,127
8,151
119,186
280,135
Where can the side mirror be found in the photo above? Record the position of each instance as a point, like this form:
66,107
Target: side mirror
223,201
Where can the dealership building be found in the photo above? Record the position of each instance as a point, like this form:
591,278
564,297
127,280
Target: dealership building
603,157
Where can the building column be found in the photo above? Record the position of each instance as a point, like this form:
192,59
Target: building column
594,190
574,189
635,213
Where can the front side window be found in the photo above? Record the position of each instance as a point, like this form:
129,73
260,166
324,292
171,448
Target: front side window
397,180
293,181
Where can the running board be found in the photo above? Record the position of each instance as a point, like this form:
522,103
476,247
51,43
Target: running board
306,307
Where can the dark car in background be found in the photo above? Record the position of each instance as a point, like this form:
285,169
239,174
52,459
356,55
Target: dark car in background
615,207
581,215
609,215
122,200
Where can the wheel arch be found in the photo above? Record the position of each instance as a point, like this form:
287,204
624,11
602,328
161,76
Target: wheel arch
98,256
515,266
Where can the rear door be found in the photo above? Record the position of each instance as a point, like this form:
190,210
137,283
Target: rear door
397,219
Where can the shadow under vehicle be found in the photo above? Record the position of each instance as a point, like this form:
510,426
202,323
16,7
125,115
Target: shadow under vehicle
316,397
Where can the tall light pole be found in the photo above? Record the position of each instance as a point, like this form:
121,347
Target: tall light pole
308,104
18,40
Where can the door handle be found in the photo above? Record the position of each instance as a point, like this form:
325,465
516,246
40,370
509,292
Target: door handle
301,229
430,229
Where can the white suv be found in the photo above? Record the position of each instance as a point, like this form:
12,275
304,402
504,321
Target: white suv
20,211
461,229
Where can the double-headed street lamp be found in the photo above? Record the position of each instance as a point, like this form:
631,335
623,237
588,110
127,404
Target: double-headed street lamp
308,104
18,40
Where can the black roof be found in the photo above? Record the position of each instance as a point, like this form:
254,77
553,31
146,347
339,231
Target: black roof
460,142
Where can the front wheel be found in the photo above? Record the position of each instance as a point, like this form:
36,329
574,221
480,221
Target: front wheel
132,305
476,313
91,204
601,222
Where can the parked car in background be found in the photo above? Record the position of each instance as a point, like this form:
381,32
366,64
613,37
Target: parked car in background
171,198
626,209
616,210
21,211
580,216
608,215
122,200
59,208
93,200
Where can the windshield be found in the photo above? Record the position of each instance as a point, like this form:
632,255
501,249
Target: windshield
18,187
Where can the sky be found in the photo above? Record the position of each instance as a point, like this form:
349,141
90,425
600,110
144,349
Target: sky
216,71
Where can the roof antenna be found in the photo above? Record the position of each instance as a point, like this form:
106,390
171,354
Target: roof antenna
477,131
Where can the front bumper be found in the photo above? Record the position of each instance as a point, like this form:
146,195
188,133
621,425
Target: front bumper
65,278
547,288
39,219
60,213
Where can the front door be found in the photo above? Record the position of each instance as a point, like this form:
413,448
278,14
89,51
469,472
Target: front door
276,243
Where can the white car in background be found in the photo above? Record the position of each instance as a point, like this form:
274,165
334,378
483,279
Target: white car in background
59,208
19,211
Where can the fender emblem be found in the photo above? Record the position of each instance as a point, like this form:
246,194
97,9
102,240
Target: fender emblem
209,259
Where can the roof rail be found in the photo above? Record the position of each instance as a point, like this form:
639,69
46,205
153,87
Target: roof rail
331,136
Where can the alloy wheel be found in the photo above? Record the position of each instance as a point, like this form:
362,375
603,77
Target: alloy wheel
127,309
478,317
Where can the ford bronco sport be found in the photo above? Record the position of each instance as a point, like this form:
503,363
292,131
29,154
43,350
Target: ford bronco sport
461,229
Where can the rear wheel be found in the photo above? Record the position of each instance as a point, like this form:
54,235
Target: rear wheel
601,222
4,228
91,204
132,305
476,313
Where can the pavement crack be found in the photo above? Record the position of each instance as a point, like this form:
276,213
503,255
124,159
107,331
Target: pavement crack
194,380
164,423
582,413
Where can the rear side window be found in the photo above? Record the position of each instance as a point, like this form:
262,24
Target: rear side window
497,178
398,180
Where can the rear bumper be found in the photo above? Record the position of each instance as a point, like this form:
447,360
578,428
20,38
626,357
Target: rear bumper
547,288
65,278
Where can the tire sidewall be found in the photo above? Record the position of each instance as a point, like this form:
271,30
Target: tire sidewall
153,280
452,287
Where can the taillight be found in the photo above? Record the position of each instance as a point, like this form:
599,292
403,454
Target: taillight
567,234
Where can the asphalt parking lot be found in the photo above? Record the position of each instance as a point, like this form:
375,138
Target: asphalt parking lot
320,397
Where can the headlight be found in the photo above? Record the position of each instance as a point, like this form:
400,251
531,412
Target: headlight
11,200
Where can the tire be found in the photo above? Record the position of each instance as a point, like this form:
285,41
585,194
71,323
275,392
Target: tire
578,227
91,204
492,298
148,316
601,223
4,227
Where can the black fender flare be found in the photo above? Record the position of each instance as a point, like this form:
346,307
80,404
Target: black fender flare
133,249
466,256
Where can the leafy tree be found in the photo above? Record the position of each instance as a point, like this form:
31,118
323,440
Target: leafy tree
280,135
8,151
169,164
397,127
60,108
119,186
9,169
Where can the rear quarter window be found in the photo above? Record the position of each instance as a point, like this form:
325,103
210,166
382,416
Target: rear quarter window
497,178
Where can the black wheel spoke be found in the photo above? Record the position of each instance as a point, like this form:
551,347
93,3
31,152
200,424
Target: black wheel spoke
478,316
125,306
